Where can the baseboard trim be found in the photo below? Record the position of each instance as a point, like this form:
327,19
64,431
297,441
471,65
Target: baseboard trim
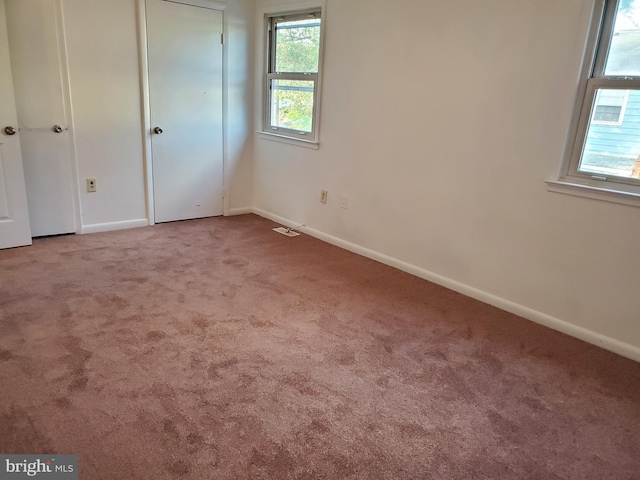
616,346
276,218
240,211
106,227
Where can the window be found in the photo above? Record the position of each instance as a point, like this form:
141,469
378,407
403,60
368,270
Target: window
610,107
293,70
606,151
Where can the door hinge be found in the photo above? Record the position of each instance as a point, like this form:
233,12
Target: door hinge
222,38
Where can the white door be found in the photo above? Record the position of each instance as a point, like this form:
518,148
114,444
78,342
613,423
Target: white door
37,73
14,214
185,97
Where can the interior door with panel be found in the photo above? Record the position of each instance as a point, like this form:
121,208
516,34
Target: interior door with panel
185,98
14,214
36,44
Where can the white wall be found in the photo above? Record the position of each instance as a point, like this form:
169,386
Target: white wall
104,70
102,48
442,121
239,126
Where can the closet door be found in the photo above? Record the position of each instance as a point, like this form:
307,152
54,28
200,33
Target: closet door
185,97
14,216
36,45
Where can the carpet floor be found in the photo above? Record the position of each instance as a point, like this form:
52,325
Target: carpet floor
218,349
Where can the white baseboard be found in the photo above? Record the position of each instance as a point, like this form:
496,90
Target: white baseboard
240,211
278,219
616,346
106,227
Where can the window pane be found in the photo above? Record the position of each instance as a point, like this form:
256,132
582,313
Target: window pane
292,104
624,52
612,143
297,46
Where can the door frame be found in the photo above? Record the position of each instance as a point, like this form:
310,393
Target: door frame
146,107
68,112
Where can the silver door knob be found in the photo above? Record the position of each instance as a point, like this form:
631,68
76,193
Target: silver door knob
57,129
9,130
157,130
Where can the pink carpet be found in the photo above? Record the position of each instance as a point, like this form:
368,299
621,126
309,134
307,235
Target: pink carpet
218,349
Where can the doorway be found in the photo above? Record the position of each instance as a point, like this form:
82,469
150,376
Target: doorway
14,214
39,67
185,59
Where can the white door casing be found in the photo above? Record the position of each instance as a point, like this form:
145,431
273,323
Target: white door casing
37,65
184,48
14,214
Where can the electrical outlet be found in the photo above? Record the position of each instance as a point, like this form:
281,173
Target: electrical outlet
344,201
91,185
323,196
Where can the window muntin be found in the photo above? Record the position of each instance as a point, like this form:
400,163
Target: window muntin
293,69
607,145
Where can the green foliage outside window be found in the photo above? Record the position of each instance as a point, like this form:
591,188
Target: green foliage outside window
297,46
292,104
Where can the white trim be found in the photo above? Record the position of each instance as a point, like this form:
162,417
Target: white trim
290,140
590,19
210,4
289,223
292,7
65,80
594,192
107,227
608,343
225,117
239,211
146,110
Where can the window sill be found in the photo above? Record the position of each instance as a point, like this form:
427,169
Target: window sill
288,140
570,187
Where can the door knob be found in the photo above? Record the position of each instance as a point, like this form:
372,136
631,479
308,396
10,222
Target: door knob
157,130
9,130
57,129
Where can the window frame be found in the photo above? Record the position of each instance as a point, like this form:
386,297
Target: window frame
286,134
593,78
